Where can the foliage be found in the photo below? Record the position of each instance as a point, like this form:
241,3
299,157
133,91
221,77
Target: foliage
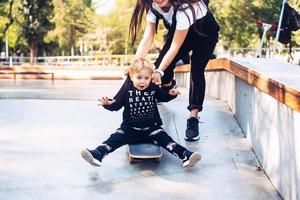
72,26
238,20
6,17
117,39
72,19
36,22
117,23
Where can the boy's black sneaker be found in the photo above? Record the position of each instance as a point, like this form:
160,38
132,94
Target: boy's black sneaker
94,157
190,158
192,130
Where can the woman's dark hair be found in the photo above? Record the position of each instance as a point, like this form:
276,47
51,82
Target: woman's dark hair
142,5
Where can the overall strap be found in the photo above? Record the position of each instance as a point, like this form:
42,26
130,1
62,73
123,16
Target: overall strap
174,21
160,16
157,15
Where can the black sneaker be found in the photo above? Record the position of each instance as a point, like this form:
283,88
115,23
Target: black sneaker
94,157
190,158
192,130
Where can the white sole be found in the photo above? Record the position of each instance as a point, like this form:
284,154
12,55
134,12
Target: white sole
195,157
193,139
86,155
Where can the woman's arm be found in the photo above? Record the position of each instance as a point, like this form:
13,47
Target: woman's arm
178,39
146,41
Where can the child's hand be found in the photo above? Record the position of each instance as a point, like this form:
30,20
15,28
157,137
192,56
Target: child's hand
105,101
174,92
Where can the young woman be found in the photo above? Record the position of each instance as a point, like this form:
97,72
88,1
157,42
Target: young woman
191,28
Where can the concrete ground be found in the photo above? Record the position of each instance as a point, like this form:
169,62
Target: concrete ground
44,126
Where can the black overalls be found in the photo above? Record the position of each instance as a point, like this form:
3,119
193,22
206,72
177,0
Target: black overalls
201,40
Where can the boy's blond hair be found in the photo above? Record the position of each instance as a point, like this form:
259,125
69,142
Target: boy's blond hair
140,64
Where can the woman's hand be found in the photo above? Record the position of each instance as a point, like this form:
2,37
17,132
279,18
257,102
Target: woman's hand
104,101
156,78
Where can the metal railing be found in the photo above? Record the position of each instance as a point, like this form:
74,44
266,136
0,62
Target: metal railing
124,60
99,60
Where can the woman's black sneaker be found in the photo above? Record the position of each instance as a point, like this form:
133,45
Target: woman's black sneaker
192,130
94,157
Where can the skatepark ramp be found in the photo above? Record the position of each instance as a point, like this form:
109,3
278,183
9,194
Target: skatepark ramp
264,96
249,145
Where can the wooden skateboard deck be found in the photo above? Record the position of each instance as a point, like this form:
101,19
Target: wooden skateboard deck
144,151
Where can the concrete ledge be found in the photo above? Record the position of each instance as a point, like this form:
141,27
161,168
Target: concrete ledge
264,96
283,91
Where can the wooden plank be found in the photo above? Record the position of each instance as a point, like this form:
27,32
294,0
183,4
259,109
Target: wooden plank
15,73
106,78
183,68
216,64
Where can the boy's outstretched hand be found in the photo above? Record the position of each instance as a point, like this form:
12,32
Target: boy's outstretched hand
174,92
105,101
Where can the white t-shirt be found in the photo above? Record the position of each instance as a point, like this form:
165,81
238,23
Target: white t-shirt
183,21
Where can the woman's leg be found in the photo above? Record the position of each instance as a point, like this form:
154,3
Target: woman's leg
183,52
168,73
199,59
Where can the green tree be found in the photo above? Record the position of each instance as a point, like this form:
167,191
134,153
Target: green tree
36,24
238,20
117,25
6,18
73,19
117,22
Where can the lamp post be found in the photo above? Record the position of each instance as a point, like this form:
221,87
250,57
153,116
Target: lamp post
279,27
6,47
266,27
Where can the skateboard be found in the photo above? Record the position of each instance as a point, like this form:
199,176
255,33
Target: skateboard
144,151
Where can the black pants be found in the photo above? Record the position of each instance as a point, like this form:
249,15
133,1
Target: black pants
202,50
130,136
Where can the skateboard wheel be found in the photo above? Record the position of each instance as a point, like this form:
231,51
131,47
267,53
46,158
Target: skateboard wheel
131,159
158,159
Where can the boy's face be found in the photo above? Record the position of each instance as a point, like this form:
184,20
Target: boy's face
141,79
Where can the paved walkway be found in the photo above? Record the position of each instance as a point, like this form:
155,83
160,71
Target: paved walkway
41,139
